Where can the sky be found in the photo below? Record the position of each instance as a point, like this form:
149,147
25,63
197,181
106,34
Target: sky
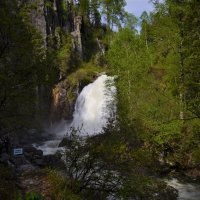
136,7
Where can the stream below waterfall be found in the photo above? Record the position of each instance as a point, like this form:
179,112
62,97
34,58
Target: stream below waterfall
95,105
186,190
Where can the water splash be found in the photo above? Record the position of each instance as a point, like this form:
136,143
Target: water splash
49,147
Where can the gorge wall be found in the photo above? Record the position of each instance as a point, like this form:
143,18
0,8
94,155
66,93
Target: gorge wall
49,16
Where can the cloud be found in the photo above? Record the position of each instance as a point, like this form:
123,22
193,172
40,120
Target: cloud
138,6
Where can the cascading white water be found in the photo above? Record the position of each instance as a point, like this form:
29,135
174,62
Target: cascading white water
94,106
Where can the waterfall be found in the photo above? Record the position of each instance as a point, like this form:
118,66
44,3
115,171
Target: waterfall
94,106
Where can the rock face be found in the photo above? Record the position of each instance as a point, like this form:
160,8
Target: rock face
38,18
64,97
46,16
77,35
49,16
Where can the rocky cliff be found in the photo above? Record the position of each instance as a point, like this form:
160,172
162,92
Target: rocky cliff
48,16
70,38
63,102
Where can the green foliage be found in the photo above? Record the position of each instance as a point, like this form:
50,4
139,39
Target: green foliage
192,57
60,56
84,74
129,63
149,84
64,6
84,7
104,165
21,58
131,21
64,55
60,189
49,4
114,12
95,14
33,196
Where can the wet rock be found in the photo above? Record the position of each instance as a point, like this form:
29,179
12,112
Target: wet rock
34,156
31,151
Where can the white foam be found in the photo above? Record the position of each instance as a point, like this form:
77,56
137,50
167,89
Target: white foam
94,106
